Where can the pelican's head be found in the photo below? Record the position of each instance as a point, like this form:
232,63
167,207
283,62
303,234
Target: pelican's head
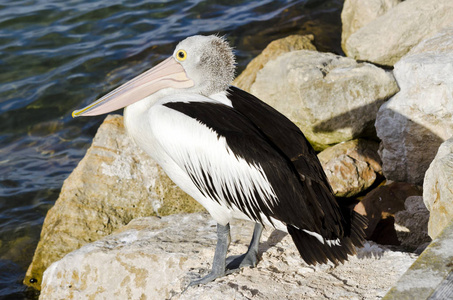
208,61
199,64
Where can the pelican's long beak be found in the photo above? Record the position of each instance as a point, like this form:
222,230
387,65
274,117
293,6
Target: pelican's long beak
168,73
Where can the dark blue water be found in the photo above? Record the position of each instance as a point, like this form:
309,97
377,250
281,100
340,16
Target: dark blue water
56,56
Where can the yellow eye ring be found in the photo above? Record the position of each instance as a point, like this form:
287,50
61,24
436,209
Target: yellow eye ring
181,55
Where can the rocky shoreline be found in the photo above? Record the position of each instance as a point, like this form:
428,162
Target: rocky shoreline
385,138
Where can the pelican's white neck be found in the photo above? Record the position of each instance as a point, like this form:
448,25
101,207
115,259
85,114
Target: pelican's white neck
136,118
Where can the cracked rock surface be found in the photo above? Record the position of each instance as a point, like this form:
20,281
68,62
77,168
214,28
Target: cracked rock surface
155,258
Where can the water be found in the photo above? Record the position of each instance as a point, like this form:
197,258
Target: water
56,56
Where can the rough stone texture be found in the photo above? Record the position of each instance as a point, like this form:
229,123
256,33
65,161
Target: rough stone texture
331,98
155,258
380,206
272,51
411,224
358,13
414,122
352,166
114,183
438,189
430,275
388,38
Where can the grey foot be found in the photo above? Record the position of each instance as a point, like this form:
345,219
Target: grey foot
233,264
236,262
218,264
248,259
208,278
221,265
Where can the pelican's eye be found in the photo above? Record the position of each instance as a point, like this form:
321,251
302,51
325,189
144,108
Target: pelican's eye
181,55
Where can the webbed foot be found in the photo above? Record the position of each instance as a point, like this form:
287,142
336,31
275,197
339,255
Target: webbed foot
221,265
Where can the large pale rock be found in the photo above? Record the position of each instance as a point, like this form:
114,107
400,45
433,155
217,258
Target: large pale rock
411,224
352,166
155,258
380,206
388,38
358,13
438,189
414,122
331,98
114,183
272,51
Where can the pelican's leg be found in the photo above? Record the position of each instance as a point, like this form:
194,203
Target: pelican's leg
248,259
218,264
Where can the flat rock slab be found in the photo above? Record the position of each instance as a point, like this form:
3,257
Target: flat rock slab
155,258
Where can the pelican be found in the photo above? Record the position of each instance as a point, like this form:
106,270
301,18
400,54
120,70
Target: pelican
234,154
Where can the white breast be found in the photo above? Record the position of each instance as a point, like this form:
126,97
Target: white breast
179,143
142,121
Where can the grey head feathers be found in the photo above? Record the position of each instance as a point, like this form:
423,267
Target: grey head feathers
210,63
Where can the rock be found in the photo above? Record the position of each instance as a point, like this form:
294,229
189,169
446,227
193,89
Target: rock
414,122
114,183
429,277
331,98
352,166
273,50
155,258
358,13
438,189
380,206
411,224
388,38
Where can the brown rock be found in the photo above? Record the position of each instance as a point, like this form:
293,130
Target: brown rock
114,183
380,206
273,50
351,167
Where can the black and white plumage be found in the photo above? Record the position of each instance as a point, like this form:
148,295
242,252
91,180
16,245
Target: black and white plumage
234,154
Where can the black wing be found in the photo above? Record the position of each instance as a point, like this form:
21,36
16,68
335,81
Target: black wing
292,144
332,220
